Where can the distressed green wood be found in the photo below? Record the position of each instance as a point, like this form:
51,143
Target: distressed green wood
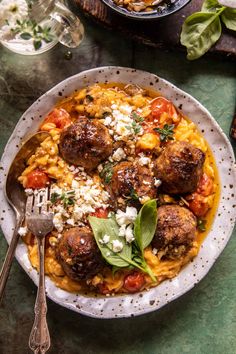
200,322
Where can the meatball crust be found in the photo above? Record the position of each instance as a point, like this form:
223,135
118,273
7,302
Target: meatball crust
128,179
78,254
85,143
180,167
176,226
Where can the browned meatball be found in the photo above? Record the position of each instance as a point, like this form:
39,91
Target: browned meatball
78,254
129,180
85,143
180,167
176,228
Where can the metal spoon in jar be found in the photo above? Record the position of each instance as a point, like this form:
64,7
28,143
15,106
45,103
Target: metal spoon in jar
16,197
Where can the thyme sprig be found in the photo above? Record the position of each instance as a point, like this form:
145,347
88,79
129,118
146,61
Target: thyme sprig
166,133
135,125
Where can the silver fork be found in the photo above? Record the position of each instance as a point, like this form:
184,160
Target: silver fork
39,221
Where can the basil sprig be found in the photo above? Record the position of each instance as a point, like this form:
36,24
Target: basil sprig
130,255
145,224
203,29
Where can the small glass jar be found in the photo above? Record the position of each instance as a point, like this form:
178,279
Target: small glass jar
64,27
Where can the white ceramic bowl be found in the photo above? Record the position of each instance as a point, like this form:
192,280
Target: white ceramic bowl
137,304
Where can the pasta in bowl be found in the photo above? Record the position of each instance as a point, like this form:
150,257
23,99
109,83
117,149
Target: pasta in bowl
134,190
133,186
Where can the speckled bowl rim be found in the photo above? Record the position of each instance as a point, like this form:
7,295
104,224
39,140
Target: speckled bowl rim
152,15
191,274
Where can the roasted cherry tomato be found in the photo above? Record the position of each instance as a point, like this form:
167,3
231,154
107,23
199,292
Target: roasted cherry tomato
161,105
37,179
198,204
60,117
134,282
100,213
205,185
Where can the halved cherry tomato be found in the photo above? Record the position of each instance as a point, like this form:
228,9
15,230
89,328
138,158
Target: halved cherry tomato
100,213
205,185
198,204
37,179
60,117
161,105
133,282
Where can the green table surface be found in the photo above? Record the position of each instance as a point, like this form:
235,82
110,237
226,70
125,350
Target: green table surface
203,320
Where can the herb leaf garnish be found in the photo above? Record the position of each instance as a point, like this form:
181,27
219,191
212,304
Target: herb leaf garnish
145,224
67,198
107,173
135,126
110,227
166,133
202,29
131,254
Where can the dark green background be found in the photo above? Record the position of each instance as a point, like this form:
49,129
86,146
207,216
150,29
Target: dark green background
202,321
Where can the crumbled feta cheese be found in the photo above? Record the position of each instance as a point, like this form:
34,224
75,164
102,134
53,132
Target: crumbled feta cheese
58,222
107,120
117,246
157,182
126,217
122,230
144,199
70,222
105,239
129,234
100,168
29,191
154,251
143,160
22,231
119,154
75,184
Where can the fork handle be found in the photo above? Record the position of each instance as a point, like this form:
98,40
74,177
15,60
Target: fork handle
39,340
9,258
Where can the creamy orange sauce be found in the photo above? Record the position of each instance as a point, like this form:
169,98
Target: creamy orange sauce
163,269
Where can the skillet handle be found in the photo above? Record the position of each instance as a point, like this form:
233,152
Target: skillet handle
9,258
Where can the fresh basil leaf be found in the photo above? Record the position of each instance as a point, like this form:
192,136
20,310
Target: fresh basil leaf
110,227
199,32
145,224
228,3
229,18
210,6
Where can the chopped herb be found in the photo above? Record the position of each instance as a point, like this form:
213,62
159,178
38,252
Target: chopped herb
107,173
106,114
201,225
89,98
135,126
67,198
166,133
135,116
134,195
54,197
